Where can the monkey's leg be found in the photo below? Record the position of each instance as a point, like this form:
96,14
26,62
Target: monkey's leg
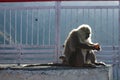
90,59
90,65
93,59
72,59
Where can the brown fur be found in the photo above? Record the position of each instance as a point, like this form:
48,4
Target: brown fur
75,43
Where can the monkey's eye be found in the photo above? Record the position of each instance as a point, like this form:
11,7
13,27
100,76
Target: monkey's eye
87,33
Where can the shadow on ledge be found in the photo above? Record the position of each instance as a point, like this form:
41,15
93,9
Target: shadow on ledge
44,67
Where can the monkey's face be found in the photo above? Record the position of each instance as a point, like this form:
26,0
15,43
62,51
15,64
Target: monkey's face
85,33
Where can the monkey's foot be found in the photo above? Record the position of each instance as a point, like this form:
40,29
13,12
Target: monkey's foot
100,63
90,65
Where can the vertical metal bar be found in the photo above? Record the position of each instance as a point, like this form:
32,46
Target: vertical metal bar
19,46
49,26
21,27
32,28
107,27
115,67
77,17
27,27
16,27
4,25
19,55
71,19
119,43
38,27
88,16
95,23
10,27
65,22
43,29
113,27
83,16
57,5
114,58
63,11
101,29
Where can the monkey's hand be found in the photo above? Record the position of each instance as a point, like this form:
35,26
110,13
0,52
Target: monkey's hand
63,58
97,47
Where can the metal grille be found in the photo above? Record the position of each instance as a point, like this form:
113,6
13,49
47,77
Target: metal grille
27,34
35,34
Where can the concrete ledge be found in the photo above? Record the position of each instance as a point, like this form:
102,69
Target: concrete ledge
56,73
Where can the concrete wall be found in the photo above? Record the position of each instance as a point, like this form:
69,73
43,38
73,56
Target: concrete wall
56,73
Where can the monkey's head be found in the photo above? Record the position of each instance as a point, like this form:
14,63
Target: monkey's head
84,32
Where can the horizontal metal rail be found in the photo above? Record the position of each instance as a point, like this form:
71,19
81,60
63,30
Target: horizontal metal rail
89,7
49,0
62,7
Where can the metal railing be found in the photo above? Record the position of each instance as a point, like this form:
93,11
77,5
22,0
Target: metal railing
35,34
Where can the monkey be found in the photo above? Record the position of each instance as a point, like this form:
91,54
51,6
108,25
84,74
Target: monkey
79,48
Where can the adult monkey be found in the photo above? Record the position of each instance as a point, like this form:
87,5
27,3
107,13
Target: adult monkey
79,49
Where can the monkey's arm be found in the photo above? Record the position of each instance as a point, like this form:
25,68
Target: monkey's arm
92,46
85,46
75,43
